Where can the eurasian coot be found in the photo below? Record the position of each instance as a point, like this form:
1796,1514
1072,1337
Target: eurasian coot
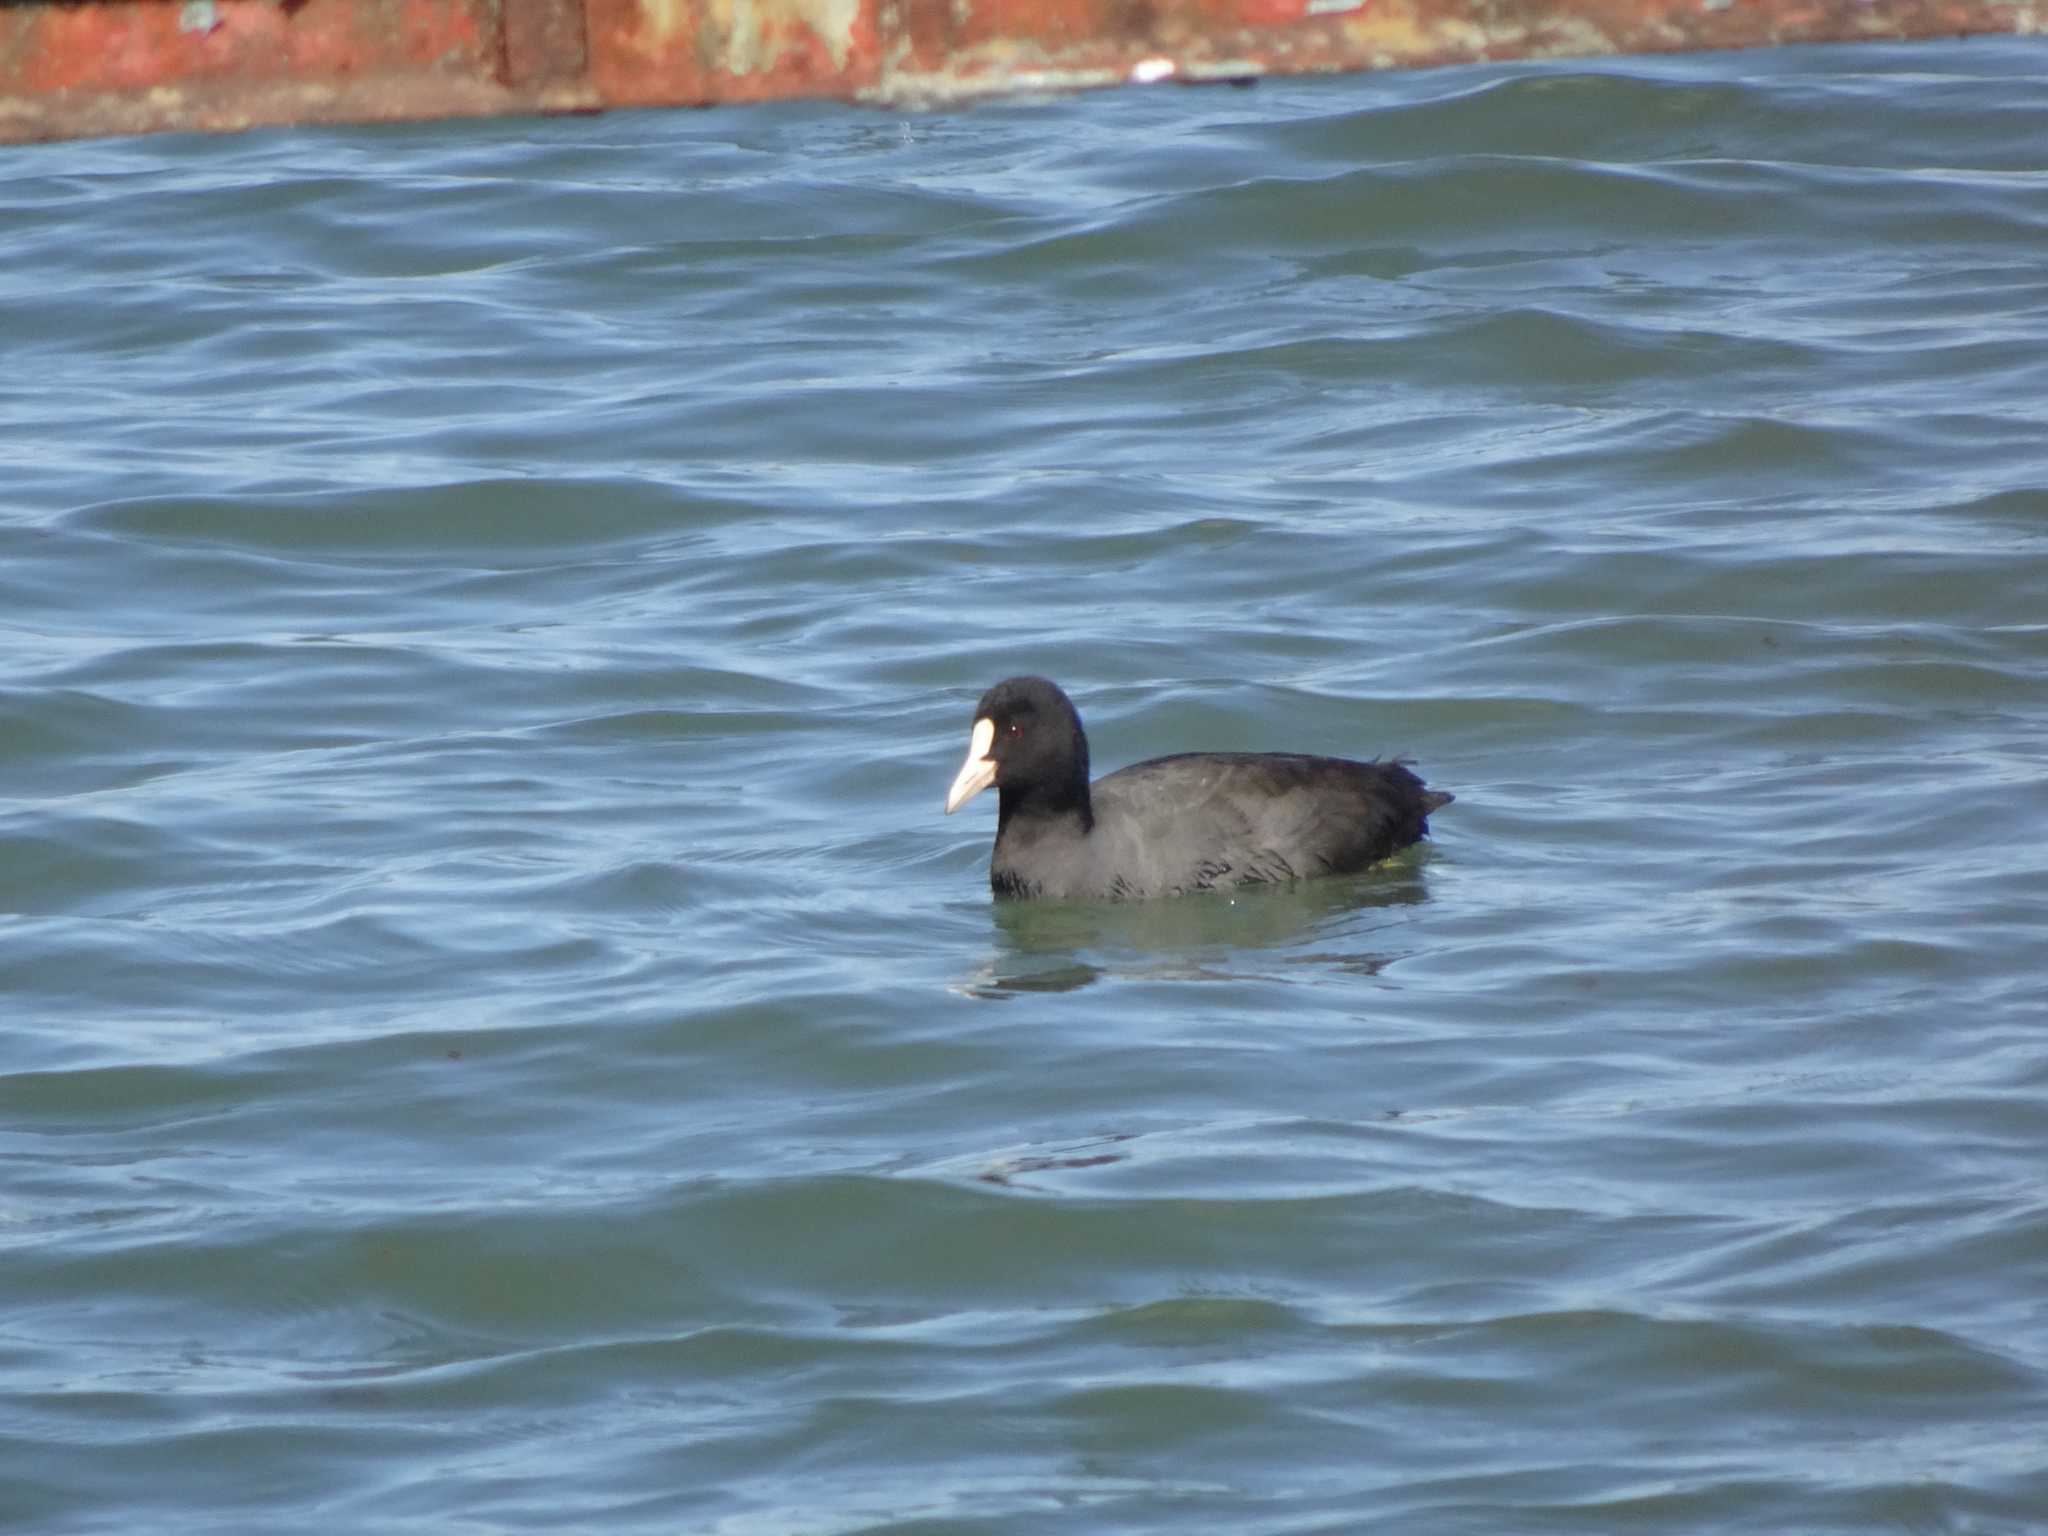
1173,824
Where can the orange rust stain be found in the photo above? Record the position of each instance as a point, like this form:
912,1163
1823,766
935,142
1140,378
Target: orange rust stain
630,39
446,34
114,49
138,46
1272,13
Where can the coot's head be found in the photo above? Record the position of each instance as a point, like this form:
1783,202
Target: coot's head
1027,742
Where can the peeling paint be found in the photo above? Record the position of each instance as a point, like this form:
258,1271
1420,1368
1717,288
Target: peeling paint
760,34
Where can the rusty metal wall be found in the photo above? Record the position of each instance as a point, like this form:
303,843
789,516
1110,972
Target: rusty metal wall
84,67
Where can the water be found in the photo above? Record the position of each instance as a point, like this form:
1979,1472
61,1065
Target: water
499,1036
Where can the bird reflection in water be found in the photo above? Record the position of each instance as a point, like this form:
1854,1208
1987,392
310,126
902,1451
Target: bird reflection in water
1257,933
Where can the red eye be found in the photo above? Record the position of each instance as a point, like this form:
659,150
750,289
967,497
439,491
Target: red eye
1015,729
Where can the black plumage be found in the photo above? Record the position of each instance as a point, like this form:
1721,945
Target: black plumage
1194,821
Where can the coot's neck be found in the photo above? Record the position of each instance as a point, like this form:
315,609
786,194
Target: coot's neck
1061,798
1036,807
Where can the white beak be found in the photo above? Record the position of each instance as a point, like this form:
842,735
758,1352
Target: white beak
978,772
